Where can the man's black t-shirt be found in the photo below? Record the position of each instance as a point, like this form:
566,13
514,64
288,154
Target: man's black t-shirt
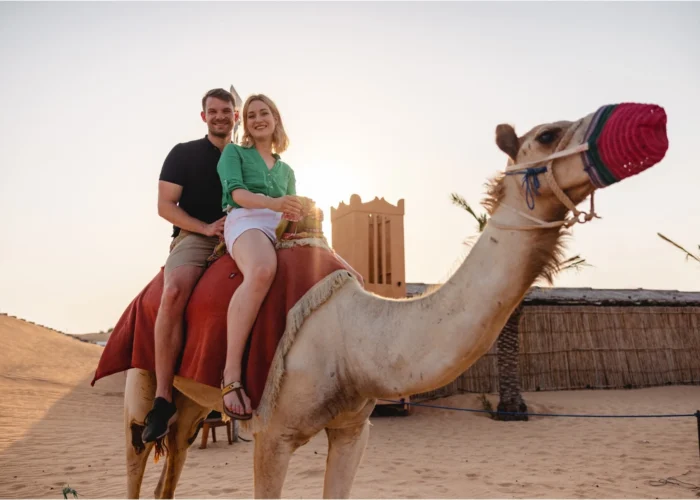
192,165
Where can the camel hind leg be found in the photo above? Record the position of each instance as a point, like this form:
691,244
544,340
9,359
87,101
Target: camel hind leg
182,434
136,457
139,392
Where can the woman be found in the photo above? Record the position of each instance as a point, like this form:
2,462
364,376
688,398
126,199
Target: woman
257,188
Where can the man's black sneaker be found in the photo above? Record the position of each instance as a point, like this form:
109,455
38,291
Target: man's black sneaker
158,420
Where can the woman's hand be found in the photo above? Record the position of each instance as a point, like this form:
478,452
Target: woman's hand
287,204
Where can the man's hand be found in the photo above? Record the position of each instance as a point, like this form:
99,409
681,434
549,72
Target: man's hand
215,228
287,204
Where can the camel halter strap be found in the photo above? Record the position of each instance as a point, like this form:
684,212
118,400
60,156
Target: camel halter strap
531,170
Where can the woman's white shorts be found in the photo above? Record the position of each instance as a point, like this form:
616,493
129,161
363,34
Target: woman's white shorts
240,220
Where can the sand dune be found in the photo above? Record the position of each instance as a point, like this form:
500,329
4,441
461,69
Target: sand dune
56,429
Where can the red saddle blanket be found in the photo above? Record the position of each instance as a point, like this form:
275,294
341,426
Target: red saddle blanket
131,344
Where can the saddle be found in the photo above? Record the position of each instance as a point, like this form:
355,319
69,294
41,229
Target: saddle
290,227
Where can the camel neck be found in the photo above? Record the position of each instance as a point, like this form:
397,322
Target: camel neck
431,340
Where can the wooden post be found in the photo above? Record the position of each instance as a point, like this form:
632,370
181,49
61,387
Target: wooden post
205,436
697,417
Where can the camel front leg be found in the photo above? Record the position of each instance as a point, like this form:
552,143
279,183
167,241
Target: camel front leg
271,460
346,446
182,434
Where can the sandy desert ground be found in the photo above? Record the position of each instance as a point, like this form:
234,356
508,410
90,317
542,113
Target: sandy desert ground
55,429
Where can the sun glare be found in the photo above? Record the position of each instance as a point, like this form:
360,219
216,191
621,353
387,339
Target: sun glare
330,184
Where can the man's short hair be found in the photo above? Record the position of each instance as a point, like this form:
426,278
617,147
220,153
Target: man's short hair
222,94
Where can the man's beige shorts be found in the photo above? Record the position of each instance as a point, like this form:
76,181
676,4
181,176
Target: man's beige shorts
190,249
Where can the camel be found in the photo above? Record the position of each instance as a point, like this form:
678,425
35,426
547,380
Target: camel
359,347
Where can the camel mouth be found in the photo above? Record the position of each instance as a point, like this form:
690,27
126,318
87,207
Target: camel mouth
624,140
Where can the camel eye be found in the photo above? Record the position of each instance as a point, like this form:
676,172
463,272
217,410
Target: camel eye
547,137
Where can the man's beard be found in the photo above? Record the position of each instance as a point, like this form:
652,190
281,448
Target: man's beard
221,134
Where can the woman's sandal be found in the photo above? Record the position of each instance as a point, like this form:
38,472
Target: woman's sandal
234,386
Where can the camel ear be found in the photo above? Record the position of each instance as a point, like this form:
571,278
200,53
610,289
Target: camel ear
507,140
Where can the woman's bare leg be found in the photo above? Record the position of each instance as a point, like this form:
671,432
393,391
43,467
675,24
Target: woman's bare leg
256,258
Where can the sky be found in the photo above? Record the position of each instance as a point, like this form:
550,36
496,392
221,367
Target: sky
395,100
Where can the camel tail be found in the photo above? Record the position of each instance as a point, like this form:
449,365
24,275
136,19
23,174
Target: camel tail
161,449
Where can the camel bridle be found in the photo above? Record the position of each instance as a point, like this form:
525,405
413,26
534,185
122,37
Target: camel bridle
532,169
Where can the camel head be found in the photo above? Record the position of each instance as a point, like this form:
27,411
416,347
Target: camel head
555,166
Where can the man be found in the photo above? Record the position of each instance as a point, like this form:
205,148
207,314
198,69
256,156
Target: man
189,197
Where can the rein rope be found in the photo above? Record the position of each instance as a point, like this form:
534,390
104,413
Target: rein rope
531,184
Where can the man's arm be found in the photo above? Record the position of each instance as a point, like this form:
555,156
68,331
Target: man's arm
168,197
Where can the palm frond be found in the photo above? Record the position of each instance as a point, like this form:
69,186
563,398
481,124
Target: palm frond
461,202
688,255
576,263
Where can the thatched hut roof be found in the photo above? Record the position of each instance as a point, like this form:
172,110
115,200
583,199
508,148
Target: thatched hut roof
592,297
610,297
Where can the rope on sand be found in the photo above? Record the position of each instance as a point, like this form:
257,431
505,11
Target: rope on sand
677,482
492,412
574,415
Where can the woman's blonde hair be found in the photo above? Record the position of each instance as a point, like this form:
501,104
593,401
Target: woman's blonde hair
280,141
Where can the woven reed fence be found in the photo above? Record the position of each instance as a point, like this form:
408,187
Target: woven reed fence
595,347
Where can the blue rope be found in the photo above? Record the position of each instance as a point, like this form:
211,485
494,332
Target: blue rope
673,415
531,183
